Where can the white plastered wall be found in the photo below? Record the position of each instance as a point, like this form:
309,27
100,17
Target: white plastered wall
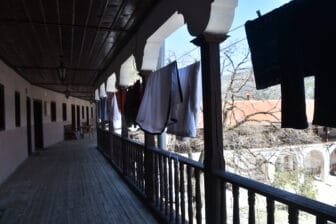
13,140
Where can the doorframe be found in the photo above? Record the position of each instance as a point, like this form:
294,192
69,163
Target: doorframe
73,116
42,113
29,125
78,117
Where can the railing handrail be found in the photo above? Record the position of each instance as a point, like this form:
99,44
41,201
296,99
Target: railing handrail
178,157
300,202
168,154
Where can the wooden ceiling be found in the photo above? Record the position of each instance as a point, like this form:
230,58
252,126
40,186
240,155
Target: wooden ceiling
65,45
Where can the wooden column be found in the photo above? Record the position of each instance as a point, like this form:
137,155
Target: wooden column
149,167
149,158
124,136
212,113
109,110
110,118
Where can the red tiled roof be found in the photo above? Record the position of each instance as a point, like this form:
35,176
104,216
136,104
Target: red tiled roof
258,112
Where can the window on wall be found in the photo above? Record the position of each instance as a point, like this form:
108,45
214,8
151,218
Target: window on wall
2,107
17,110
91,112
64,111
82,112
53,111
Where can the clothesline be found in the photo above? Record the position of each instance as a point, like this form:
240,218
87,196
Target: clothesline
234,29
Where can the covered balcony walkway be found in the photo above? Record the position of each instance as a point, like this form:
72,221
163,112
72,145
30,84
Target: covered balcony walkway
70,182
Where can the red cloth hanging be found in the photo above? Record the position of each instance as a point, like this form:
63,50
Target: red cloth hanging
121,99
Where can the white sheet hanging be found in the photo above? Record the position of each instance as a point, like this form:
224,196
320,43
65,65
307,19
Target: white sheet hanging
158,107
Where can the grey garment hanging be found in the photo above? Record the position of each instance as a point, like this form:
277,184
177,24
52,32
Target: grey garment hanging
158,108
188,111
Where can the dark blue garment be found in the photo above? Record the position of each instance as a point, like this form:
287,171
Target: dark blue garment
275,45
324,44
103,109
290,43
263,39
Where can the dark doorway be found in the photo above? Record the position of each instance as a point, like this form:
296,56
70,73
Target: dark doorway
38,125
73,116
87,116
78,117
28,106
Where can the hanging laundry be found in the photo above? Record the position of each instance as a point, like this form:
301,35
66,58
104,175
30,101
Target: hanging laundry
188,111
115,114
121,99
324,47
133,100
109,103
158,108
284,51
103,109
263,39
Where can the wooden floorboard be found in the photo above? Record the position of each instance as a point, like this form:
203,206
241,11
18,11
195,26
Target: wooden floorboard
70,183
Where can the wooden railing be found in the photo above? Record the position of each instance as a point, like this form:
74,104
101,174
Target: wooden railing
103,140
294,203
173,186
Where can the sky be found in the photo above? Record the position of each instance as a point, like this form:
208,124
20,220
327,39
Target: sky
178,44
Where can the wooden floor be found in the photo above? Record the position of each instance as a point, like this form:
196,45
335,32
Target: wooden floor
69,183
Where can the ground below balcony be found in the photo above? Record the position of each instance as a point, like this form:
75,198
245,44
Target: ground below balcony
69,183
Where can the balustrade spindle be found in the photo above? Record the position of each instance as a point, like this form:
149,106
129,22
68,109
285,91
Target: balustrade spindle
120,153
133,161
161,182
165,185
235,193
176,184
137,168
142,168
156,182
125,158
198,197
190,195
293,215
270,210
130,160
170,189
182,193
223,202
320,220
251,203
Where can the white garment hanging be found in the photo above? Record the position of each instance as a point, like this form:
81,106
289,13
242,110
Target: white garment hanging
116,116
189,109
158,107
